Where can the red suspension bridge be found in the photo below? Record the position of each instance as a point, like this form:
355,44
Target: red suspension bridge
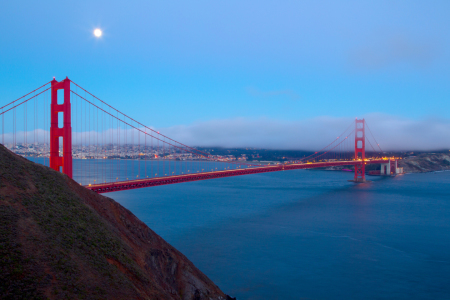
106,150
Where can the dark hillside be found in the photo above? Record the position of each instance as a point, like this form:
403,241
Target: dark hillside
59,240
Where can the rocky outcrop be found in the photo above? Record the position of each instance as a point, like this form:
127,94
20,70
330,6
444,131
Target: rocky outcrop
426,162
59,240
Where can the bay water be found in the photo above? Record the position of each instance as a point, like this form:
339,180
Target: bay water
308,234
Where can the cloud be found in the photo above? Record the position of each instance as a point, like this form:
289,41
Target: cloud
395,50
405,134
267,94
391,132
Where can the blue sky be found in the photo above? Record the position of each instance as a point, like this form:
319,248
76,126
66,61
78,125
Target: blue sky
171,64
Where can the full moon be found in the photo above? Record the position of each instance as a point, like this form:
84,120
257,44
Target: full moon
97,32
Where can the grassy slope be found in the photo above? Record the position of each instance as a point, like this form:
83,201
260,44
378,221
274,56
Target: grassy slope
59,240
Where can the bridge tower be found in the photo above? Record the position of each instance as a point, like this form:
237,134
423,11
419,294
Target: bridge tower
61,163
360,150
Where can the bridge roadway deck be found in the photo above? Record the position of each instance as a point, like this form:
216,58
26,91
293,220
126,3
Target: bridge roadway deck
148,182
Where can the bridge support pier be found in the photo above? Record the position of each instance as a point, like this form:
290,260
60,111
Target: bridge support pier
61,163
385,169
390,168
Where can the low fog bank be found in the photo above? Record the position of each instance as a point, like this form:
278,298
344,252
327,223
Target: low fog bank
391,132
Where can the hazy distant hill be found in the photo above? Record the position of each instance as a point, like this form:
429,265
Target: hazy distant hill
425,162
59,240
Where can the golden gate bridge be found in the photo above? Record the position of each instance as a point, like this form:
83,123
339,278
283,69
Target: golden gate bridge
106,150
